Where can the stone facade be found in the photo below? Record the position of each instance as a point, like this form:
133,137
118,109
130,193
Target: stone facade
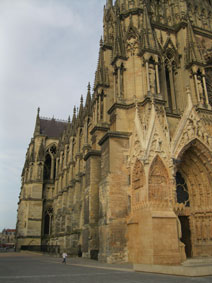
129,178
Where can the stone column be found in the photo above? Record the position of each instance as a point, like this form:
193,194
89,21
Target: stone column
171,78
157,79
205,88
196,86
147,76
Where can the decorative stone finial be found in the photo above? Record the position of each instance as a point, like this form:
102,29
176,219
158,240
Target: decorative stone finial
109,4
101,42
89,87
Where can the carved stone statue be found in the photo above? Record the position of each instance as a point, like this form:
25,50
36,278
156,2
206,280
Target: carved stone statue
152,78
200,90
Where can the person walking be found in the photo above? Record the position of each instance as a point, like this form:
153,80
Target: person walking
64,255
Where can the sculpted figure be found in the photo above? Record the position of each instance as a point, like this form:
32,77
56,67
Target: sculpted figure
152,78
200,90
190,129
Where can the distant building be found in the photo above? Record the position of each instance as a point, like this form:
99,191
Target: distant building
7,237
130,177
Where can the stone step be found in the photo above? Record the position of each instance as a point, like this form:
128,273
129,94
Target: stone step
198,261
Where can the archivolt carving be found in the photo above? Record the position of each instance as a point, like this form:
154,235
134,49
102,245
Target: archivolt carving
196,165
194,130
158,181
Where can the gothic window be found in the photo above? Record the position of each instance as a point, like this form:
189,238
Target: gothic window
208,72
48,218
122,80
102,106
47,167
50,164
116,79
182,190
170,66
53,149
67,155
46,226
87,130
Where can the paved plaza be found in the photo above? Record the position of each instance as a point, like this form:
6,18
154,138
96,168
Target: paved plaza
30,268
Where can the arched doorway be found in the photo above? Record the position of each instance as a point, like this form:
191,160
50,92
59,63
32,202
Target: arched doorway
194,198
183,198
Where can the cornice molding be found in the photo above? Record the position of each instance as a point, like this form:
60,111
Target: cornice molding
120,135
95,153
99,128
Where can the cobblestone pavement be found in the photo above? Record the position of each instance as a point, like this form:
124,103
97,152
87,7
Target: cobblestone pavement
30,268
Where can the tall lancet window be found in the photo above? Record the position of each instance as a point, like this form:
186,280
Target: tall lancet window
102,106
168,74
50,164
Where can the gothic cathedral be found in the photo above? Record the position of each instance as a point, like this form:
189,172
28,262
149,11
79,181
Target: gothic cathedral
129,177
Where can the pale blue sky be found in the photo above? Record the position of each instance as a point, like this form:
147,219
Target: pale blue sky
48,54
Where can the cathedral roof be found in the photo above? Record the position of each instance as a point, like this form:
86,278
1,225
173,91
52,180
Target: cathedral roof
52,128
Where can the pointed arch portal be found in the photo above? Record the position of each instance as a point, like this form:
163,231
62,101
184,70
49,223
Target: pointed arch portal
194,194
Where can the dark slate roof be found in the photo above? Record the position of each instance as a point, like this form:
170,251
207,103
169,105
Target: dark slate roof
52,128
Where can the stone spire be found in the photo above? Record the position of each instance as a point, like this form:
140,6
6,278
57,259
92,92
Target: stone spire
80,113
88,101
109,4
149,41
74,120
37,124
68,128
101,76
193,54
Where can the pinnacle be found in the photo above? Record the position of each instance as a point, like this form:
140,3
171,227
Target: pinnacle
89,87
193,52
101,42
